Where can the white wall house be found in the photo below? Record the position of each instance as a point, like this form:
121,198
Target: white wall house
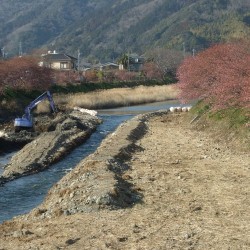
58,61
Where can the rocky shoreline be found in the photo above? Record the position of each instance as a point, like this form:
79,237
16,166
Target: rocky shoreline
57,138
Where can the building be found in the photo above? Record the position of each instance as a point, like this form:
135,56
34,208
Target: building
59,61
135,62
131,62
106,66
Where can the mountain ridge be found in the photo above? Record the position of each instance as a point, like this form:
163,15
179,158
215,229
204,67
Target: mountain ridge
105,29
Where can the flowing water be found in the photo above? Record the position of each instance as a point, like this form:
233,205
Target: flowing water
22,195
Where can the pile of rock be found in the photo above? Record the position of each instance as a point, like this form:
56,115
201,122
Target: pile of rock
63,133
99,181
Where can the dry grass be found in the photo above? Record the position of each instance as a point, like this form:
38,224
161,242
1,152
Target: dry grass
117,97
42,108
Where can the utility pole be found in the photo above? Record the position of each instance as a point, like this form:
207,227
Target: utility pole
78,65
3,53
78,60
193,52
20,50
128,62
184,49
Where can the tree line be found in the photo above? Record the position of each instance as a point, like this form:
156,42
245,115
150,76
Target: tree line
219,75
24,73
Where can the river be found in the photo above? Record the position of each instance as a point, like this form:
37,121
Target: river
21,195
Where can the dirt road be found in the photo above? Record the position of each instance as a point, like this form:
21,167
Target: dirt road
193,194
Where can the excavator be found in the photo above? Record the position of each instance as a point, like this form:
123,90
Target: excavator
26,121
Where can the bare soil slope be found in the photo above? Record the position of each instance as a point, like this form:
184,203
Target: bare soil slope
193,192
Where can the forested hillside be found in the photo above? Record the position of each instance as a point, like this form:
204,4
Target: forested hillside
105,29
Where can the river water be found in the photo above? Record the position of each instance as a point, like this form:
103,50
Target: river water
21,195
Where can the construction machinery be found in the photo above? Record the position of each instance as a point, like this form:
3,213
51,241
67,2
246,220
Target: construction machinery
26,121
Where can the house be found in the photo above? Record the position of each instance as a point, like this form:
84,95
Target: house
132,62
59,61
135,62
108,66
105,66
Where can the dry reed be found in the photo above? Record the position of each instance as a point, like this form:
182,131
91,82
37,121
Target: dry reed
42,108
117,97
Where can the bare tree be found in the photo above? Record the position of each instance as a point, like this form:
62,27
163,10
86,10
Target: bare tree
167,61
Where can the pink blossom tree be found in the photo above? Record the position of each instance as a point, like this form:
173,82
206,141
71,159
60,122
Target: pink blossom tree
219,75
24,73
151,71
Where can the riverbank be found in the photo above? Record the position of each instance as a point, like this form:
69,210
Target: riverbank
53,139
156,183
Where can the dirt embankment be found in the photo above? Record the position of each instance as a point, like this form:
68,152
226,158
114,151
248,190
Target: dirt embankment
155,183
53,139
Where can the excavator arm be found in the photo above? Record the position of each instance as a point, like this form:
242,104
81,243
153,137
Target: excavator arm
34,103
26,120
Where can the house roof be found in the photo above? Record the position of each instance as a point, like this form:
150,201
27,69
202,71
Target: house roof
134,55
110,64
103,65
59,57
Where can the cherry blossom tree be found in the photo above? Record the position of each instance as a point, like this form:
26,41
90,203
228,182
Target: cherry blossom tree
66,77
152,71
91,76
122,75
24,73
219,75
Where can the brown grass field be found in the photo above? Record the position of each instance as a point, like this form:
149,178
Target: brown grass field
116,97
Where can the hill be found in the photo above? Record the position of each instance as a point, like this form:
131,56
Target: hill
105,29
